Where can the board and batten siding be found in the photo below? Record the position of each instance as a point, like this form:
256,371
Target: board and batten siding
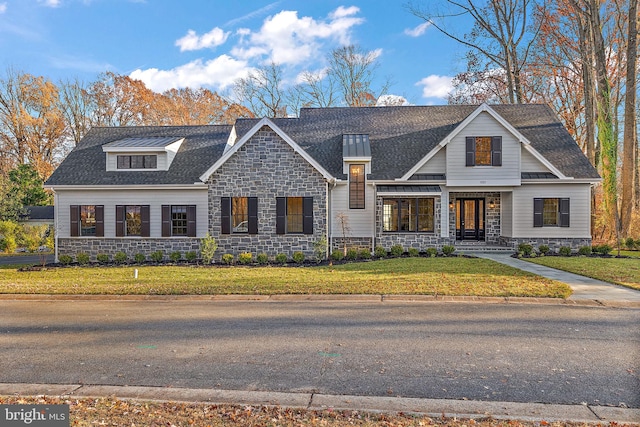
111,198
506,214
435,165
579,196
529,163
458,174
112,160
361,222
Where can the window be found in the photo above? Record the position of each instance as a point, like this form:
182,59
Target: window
132,220
87,220
550,212
178,220
484,151
239,215
356,186
294,215
149,161
408,215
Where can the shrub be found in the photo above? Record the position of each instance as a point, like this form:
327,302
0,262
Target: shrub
82,258
364,254
157,256
320,249
602,249
281,259
262,258
448,249
102,258
245,258
227,259
380,252
413,252
396,250
175,256
543,249
352,254
298,257
10,244
585,250
630,243
120,257
208,248
525,249
139,258
65,259
337,255
432,252
564,250
191,256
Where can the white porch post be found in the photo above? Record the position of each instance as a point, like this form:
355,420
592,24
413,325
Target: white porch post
444,213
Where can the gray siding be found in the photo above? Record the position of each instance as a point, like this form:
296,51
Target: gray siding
506,213
360,221
436,164
529,163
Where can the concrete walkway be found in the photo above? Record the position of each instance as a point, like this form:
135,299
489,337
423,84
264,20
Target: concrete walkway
584,288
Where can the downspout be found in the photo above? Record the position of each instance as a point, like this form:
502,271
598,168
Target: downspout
55,225
333,183
374,214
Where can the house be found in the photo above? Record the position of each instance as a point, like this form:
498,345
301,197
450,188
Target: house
418,176
38,215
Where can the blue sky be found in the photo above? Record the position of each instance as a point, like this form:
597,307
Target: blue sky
210,43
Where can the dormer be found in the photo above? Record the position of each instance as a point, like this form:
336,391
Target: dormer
141,154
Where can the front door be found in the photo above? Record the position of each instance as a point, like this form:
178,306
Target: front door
470,219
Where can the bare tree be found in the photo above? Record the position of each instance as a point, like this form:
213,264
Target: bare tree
262,91
74,103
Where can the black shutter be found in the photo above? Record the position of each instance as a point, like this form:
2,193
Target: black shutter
252,207
191,221
166,221
75,221
564,212
119,220
538,207
496,151
307,215
281,215
100,221
225,215
471,151
145,219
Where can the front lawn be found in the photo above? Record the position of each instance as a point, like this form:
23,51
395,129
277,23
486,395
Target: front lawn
428,276
622,271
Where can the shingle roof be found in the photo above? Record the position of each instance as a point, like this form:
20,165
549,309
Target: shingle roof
398,137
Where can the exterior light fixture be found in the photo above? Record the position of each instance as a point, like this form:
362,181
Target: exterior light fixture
492,204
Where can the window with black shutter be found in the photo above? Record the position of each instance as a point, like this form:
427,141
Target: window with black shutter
239,215
551,212
483,151
294,215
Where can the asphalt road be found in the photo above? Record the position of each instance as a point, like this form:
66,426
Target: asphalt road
493,352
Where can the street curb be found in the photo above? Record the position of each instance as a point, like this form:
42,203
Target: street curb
535,412
351,298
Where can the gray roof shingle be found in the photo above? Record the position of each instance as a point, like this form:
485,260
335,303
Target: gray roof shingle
398,137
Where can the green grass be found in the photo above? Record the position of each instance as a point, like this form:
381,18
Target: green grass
622,271
633,254
428,276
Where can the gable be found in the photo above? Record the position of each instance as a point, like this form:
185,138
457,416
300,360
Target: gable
530,163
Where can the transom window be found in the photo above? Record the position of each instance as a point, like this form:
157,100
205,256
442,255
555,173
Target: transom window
356,186
147,161
408,215
294,215
133,221
178,220
87,220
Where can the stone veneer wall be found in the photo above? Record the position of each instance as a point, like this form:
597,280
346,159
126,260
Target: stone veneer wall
553,243
491,217
267,167
110,246
358,243
419,241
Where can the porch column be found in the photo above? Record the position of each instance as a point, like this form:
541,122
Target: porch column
444,213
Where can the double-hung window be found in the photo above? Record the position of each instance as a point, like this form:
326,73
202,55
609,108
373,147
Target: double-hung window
408,215
87,220
294,215
178,220
239,215
483,151
551,212
132,221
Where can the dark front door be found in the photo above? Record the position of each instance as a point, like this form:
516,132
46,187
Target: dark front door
470,219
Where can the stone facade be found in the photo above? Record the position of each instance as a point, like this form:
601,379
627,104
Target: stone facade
554,244
267,167
358,243
93,246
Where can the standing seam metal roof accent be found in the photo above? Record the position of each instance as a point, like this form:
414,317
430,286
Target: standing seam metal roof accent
355,145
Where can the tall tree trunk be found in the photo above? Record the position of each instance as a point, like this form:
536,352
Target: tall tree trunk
629,144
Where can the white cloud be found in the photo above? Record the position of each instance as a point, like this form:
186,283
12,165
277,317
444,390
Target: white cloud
3,7
50,3
285,38
435,86
419,30
218,73
392,101
192,41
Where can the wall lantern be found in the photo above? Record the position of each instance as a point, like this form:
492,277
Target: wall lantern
492,204
450,204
